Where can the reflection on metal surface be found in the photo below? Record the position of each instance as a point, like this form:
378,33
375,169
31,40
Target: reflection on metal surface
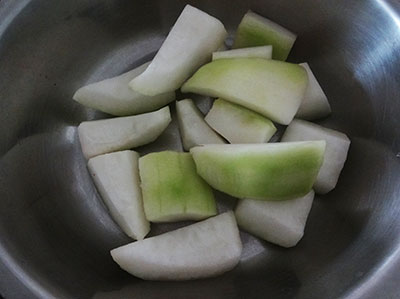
9,10
390,12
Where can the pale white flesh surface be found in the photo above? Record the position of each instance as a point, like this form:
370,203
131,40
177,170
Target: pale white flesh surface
115,97
279,222
315,104
116,176
189,45
251,52
114,134
200,250
192,126
337,146
238,124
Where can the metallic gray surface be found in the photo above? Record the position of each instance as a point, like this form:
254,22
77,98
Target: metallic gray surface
55,233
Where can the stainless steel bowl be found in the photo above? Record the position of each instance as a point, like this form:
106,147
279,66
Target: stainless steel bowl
55,232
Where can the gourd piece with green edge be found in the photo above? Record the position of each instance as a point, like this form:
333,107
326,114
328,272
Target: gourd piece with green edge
172,190
272,88
269,171
114,96
255,30
337,146
200,250
238,124
251,52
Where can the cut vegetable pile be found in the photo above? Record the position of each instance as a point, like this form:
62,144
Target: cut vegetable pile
228,149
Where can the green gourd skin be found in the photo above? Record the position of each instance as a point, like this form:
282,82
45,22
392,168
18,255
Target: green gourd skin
172,190
238,124
272,88
255,30
251,52
270,171
337,146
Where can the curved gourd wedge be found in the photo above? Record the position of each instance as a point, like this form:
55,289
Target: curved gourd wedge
189,44
269,171
272,88
200,250
121,133
114,96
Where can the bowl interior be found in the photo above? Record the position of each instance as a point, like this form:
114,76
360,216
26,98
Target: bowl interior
55,232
